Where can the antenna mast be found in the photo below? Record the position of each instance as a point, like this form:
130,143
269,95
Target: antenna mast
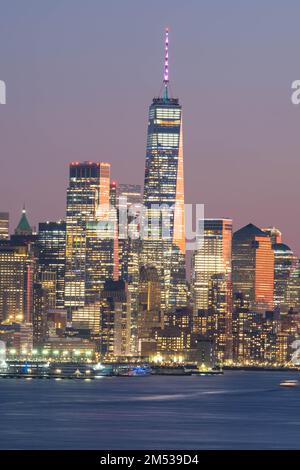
166,65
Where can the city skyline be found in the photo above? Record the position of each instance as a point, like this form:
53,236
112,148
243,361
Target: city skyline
50,139
148,192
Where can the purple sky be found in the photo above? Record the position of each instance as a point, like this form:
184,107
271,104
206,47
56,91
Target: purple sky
80,76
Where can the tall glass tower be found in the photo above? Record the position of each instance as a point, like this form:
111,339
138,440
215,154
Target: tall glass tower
52,256
213,257
87,202
164,238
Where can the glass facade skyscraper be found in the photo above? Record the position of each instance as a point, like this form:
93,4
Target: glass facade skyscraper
87,201
52,256
164,238
212,256
253,267
284,264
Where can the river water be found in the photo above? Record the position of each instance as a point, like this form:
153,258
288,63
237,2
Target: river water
237,410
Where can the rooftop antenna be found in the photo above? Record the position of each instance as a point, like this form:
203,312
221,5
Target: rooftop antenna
166,65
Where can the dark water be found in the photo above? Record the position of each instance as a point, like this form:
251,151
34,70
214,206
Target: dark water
239,410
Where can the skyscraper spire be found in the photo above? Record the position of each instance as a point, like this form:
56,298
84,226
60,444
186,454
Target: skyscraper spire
166,65
23,227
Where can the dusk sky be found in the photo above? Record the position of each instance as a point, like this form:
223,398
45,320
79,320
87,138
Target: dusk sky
80,76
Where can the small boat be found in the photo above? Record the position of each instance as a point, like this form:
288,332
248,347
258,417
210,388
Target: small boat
133,371
289,383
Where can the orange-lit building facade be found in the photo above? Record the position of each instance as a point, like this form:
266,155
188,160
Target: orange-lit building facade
104,191
264,273
253,267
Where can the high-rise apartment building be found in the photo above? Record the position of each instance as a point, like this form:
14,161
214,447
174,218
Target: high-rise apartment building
115,319
220,316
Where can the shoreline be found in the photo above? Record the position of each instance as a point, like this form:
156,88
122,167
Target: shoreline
174,373
261,368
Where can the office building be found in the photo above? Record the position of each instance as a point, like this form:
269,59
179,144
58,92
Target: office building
253,267
150,316
284,263
16,283
163,230
52,257
87,201
4,225
212,257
